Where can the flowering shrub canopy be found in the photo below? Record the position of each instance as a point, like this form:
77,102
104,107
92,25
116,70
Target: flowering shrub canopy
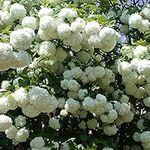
75,75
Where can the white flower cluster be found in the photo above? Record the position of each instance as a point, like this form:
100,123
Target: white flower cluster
109,113
11,59
18,135
37,143
144,138
76,33
34,102
21,39
39,100
136,20
54,123
135,74
97,74
5,123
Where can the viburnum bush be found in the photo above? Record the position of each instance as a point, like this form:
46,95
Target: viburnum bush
75,75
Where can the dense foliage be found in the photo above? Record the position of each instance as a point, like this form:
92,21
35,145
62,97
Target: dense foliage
75,75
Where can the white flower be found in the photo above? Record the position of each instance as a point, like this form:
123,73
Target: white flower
110,130
125,17
44,35
5,122
92,123
102,100
135,21
7,56
94,40
73,85
60,54
136,137
4,104
64,30
22,135
12,102
140,124
67,13
78,25
11,132
145,137
20,121
74,39
84,57
76,48
144,26
22,59
47,24
143,67
64,84
29,22
17,11
90,73
6,19
30,110
92,27
82,93
21,96
42,100
128,116
45,12
146,12
20,39
6,5
72,94
124,68
131,88
61,102
54,123
108,39
108,106
99,72
147,101
37,142
5,84
124,99
76,72
47,48
72,105
89,104
140,51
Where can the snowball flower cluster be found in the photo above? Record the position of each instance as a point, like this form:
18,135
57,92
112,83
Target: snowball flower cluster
30,103
22,135
29,22
37,142
137,22
54,123
67,13
21,39
144,138
72,105
4,104
11,59
45,12
39,95
5,122
17,11
20,121
146,12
